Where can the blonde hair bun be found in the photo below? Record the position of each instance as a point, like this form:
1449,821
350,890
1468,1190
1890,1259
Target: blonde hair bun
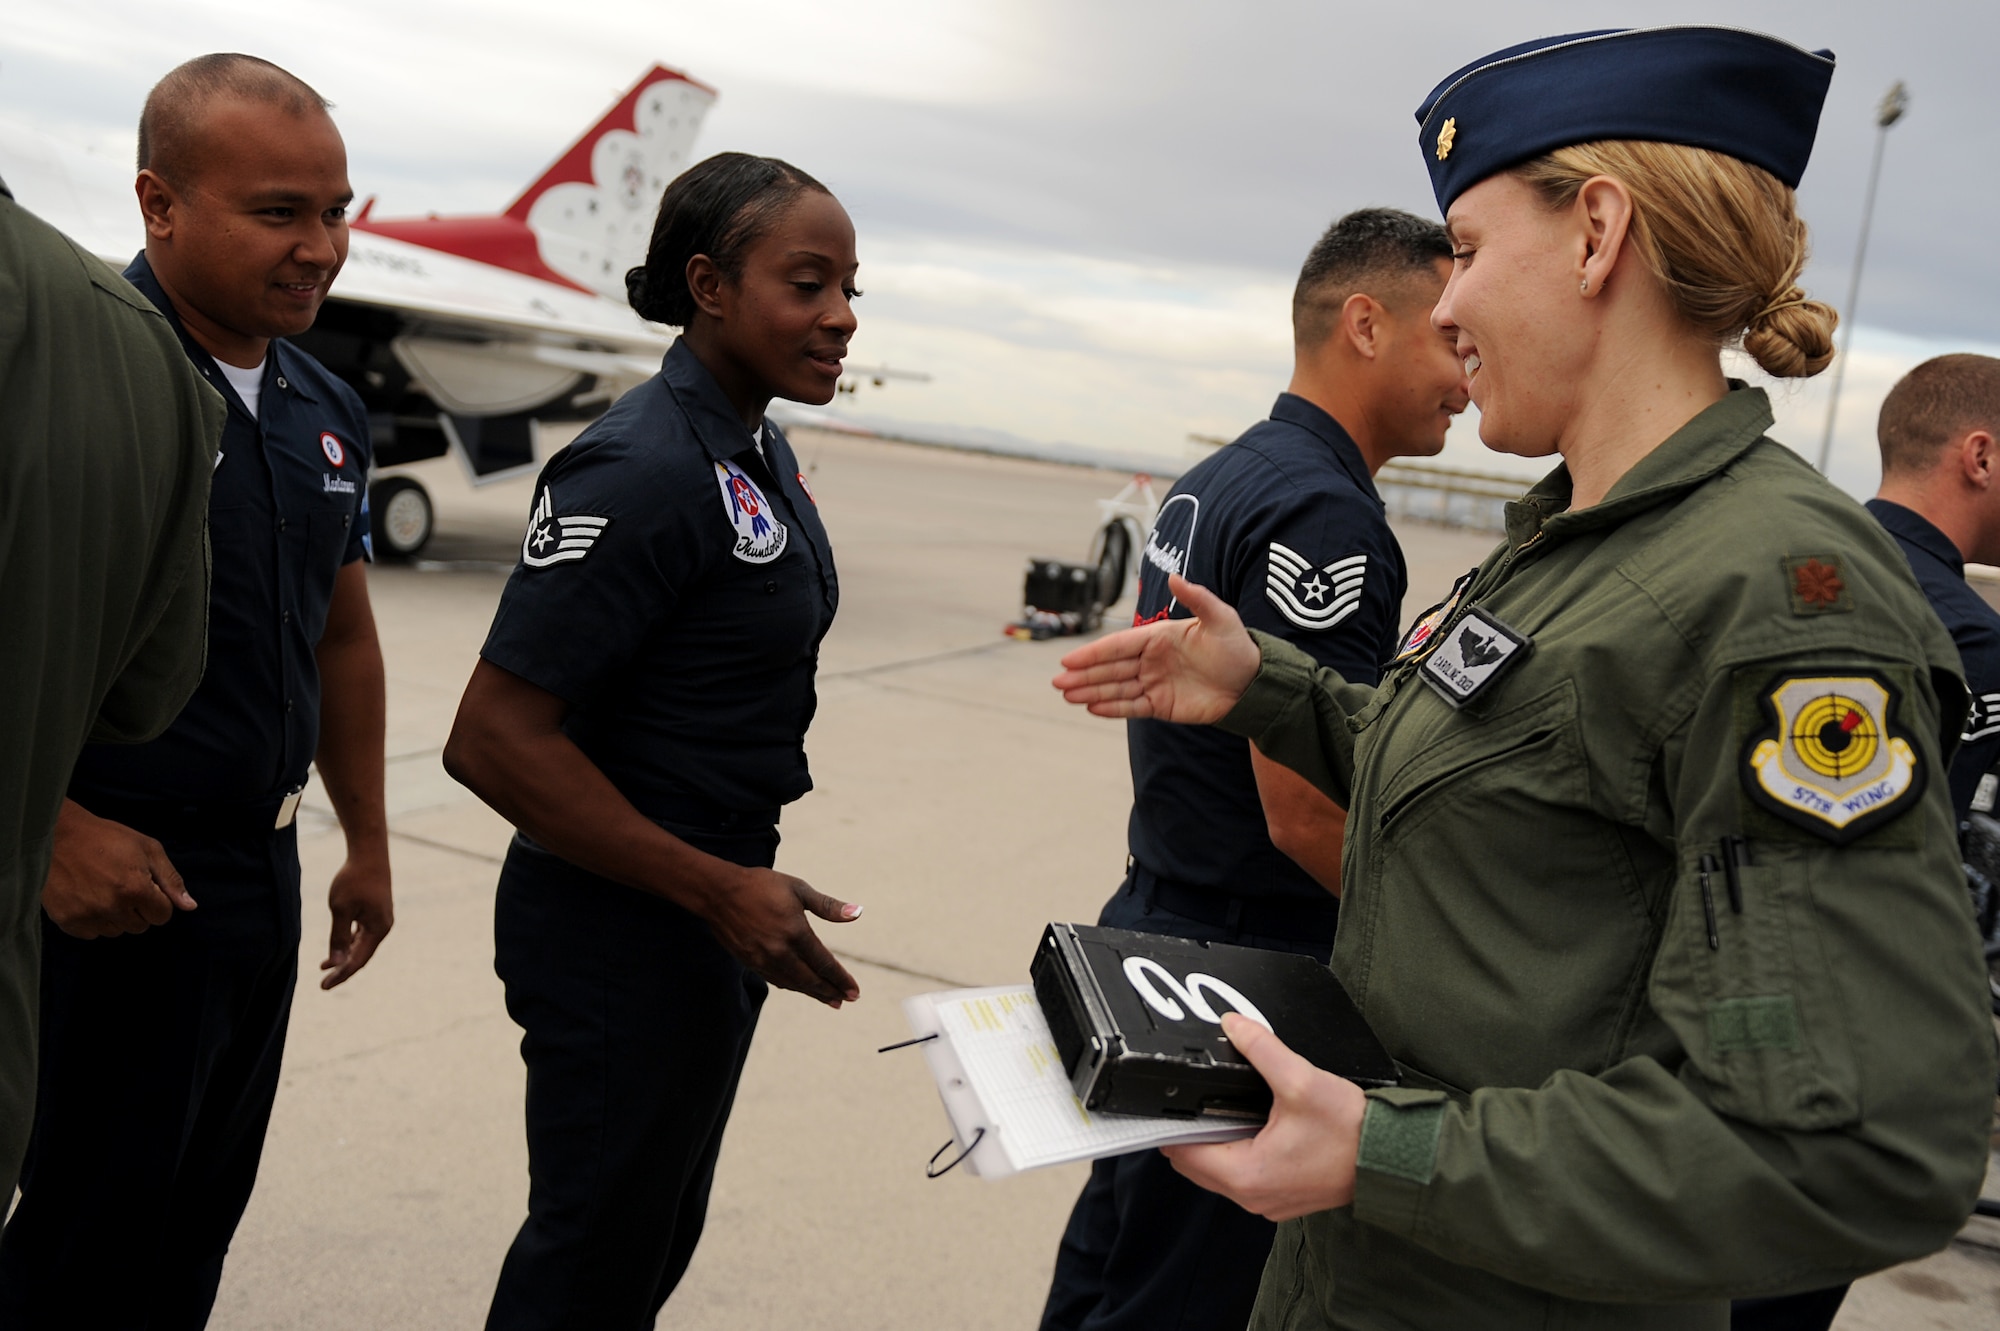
1792,337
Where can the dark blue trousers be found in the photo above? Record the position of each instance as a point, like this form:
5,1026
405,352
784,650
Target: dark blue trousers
159,1064
1146,1250
635,1025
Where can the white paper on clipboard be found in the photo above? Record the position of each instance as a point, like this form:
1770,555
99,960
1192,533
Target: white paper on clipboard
997,1068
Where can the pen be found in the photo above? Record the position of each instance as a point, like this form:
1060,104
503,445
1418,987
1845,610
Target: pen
1735,854
1708,901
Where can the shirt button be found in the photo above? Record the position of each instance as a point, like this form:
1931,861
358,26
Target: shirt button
770,588
282,383
281,524
285,618
288,707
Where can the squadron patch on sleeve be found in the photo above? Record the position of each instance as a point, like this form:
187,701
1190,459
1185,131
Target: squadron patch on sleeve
1830,757
558,540
1479,650
1314,597
760,537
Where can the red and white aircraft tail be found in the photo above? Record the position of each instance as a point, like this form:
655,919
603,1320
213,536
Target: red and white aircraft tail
589,216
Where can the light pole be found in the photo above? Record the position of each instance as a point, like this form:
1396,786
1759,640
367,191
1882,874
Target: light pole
1894,103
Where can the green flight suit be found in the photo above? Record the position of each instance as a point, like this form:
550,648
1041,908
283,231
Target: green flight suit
1605,1121
107,444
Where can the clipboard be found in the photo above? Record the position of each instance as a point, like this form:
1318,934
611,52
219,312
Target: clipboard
1010,1103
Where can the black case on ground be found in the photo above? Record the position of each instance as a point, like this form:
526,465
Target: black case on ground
1057,587
1127,1054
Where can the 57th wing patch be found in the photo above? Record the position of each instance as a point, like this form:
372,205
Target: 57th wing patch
1314,598
1831,758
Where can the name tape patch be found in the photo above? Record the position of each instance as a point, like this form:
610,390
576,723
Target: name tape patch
1477,652
760,537
558,540
1830,758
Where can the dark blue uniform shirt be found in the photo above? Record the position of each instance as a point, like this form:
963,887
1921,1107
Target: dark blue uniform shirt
1285,525
674,586
1974,626
287,509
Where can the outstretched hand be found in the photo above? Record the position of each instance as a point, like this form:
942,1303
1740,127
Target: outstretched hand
761,919
1302,1161
1186,670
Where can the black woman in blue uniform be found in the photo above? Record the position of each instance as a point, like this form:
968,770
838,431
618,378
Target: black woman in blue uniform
639,714
1227,846
161,1049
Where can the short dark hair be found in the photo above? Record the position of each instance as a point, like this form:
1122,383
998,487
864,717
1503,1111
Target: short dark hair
174,106
1373,250
719,207
1933,404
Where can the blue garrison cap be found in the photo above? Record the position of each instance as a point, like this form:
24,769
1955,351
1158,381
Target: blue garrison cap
1753,97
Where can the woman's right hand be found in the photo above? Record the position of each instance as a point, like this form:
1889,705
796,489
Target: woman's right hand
759,917
1187,670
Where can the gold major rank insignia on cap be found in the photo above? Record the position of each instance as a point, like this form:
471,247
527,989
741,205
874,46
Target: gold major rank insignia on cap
1815,585
1830,758
1446,137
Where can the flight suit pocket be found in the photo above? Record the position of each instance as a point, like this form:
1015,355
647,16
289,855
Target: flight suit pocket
1760,1012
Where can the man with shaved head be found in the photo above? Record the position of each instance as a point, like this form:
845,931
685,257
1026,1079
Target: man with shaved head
172,902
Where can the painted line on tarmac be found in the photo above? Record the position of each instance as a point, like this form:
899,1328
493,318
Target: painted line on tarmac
861,672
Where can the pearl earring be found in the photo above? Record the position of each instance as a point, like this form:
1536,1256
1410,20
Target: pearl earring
1584,286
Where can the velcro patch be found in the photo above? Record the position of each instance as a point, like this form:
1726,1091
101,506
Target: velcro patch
1830,757
1478,650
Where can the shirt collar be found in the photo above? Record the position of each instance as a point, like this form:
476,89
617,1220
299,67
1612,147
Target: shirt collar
1314,419
1691,455
1909,525
708,409
285,366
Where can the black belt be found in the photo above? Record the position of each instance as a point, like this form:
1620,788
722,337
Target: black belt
164,819
1273,917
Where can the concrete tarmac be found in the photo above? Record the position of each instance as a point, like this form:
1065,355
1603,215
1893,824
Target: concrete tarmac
957,798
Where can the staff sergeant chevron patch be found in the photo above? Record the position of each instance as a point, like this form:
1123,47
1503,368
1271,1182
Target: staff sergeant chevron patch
1314,598
554,540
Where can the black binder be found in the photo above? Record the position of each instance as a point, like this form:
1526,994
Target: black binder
1136,1018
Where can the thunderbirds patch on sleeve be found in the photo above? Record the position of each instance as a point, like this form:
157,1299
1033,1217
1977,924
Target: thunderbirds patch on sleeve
760,537
1830,758
558,540
1314,598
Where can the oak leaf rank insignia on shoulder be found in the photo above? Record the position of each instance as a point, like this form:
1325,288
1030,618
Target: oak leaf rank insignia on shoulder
558,540
1816,586
1830,757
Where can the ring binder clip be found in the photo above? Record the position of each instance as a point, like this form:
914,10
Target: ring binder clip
931,1170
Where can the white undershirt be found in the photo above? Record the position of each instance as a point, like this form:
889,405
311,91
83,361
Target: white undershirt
249,384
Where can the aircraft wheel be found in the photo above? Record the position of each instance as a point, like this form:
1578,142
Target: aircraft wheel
402,516
1112,553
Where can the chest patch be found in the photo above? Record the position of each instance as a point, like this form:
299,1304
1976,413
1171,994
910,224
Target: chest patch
1829,758
553,539
1479,650
1429,621
1314,597
336,452
760,537
1168,548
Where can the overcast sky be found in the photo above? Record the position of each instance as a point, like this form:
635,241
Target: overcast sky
1082,217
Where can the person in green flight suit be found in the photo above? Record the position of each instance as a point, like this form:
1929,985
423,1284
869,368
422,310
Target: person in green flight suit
1651,886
